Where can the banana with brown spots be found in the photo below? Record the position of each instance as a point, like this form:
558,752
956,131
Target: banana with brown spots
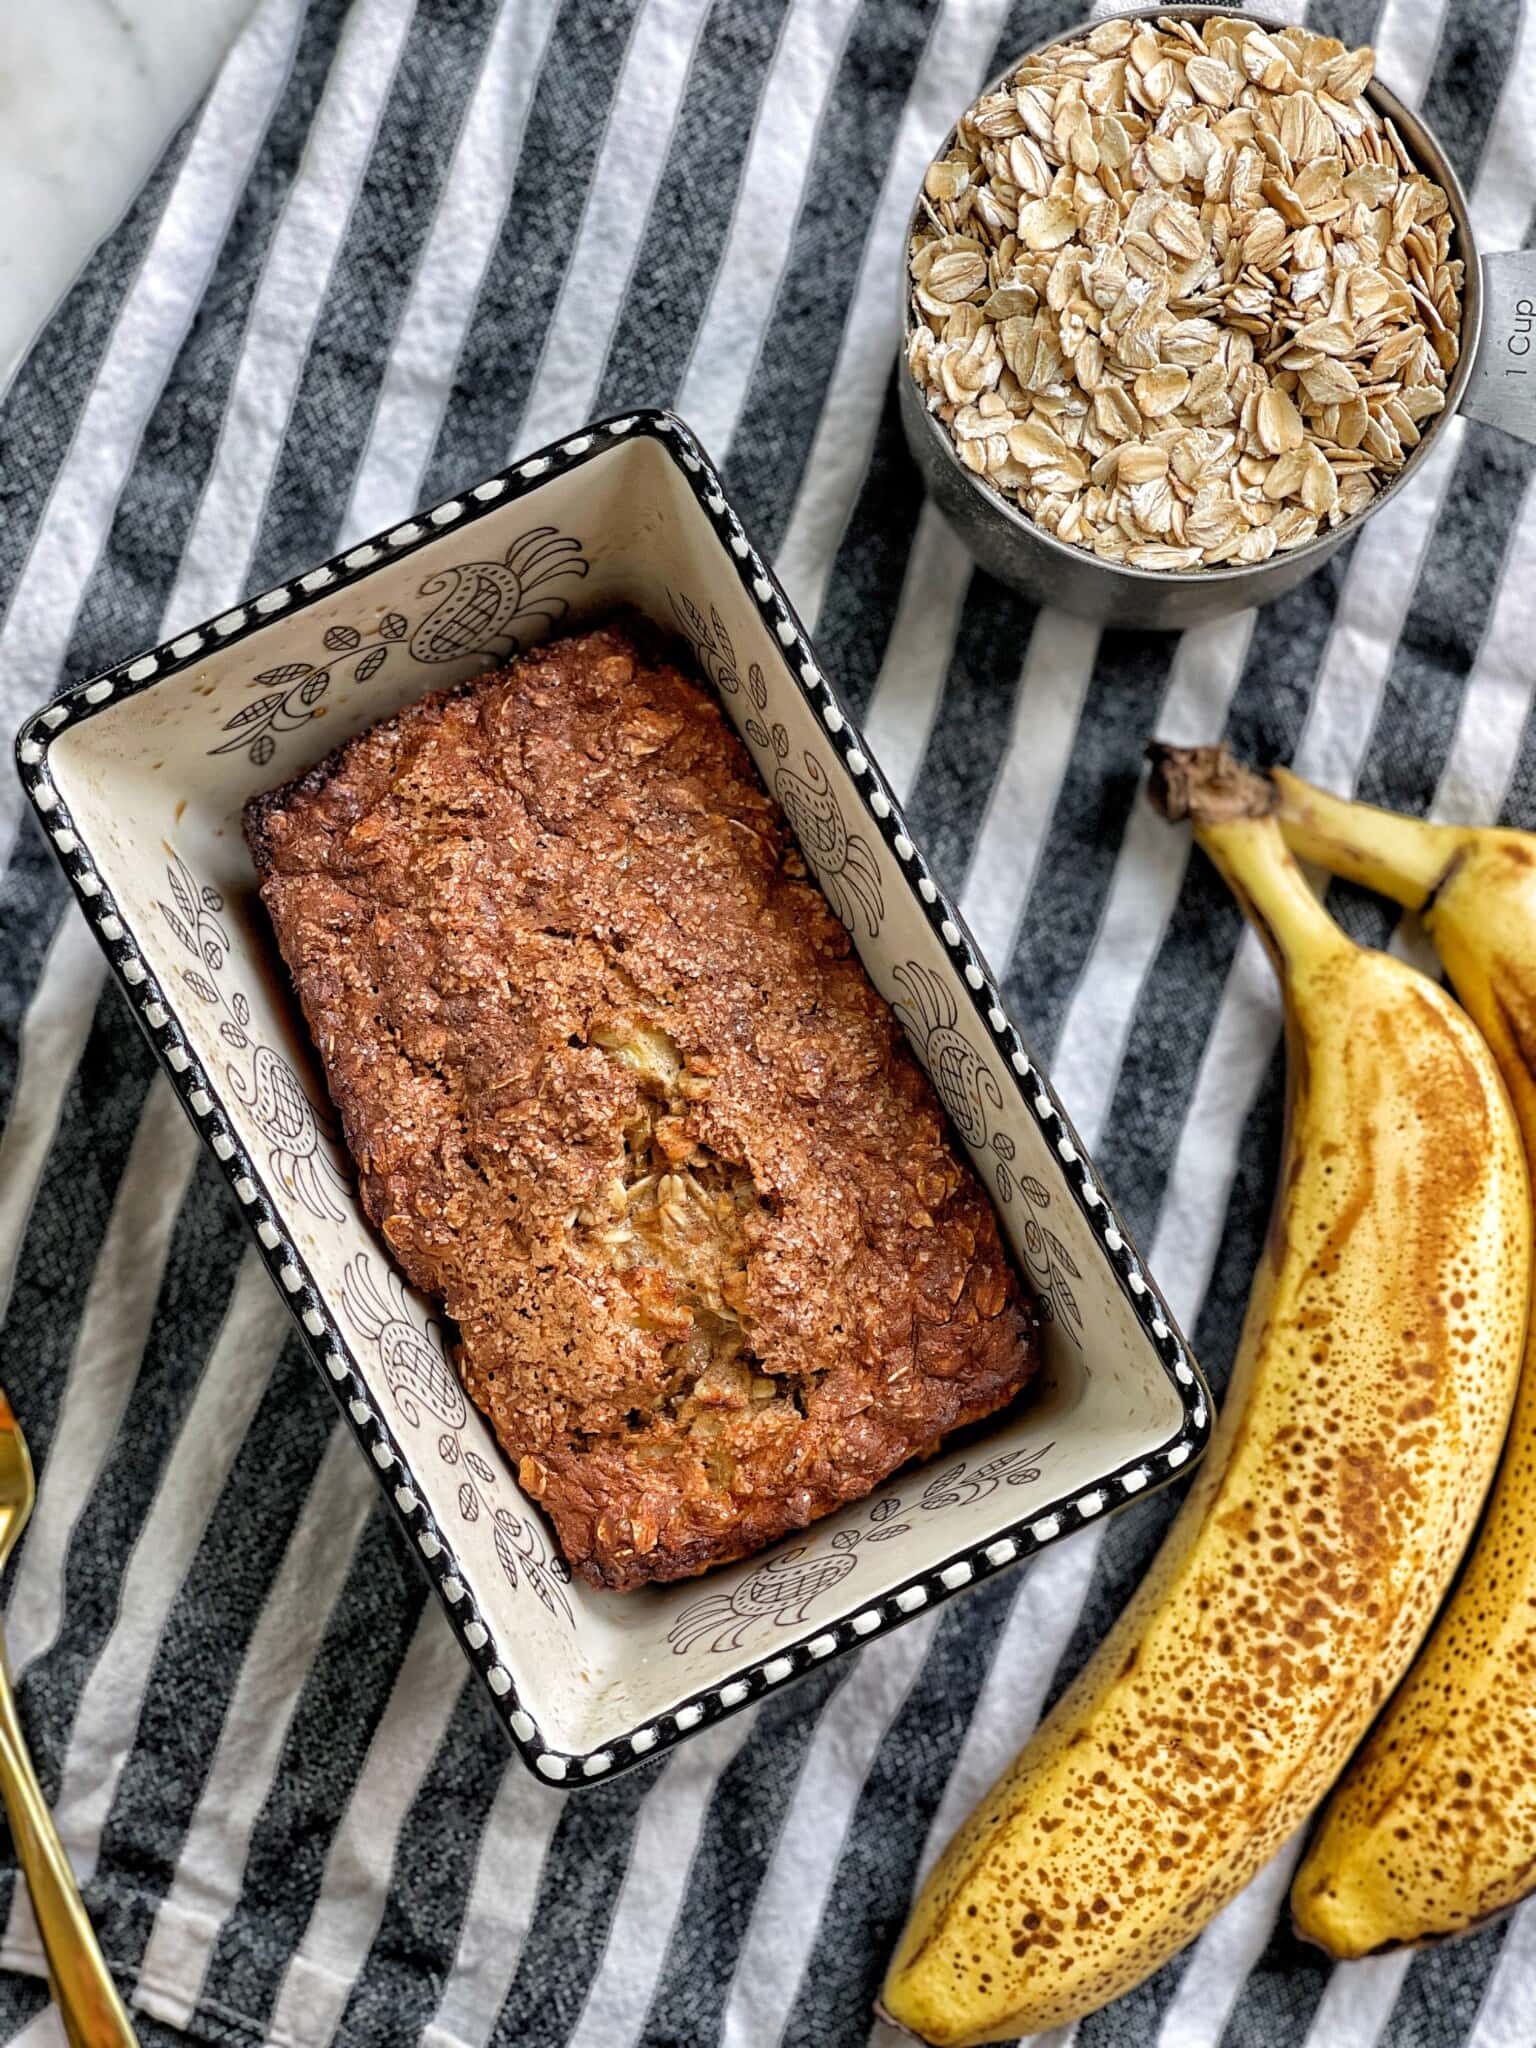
1366,1409
1433,1827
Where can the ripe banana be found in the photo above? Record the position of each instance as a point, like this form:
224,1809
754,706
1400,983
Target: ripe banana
1433,1827
1366,1409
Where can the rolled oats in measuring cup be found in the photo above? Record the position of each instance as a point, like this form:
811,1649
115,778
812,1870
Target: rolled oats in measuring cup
1186,297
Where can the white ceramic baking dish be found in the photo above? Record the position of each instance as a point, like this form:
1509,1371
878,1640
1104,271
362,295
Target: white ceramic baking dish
139,777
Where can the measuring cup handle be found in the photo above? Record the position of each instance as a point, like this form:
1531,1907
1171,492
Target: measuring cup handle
1501,389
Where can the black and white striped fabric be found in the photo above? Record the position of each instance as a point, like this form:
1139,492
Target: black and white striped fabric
403,240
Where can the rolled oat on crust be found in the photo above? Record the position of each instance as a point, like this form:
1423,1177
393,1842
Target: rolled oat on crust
623,1099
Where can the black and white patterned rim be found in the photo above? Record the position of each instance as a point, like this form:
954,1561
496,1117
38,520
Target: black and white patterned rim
199,1095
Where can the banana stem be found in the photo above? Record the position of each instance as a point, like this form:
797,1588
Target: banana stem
1259,869
1234,815
1405,858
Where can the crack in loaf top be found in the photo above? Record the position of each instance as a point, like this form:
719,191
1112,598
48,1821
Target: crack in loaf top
624,1100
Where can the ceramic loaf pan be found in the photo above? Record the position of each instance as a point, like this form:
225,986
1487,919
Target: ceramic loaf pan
139,777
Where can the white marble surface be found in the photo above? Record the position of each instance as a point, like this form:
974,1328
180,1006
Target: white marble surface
90,91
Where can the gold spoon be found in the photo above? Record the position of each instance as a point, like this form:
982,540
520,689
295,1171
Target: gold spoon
82,1985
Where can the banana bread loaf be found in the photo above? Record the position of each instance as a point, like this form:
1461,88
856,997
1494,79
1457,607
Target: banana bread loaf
622,1099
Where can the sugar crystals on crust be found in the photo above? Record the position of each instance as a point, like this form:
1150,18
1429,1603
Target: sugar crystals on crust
623,1099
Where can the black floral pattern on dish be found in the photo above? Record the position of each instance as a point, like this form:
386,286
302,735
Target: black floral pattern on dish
489,607
1052,1268
298,1137
957,1485
880,1526
782,1589
486,608
421,1377
843,862
294,689
960,1485
715,653
521,1551
712,645
413,1358
962,1080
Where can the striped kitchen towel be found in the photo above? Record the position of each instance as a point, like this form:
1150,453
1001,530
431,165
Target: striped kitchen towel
403,240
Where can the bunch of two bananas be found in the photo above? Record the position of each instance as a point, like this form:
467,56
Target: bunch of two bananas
1367,1411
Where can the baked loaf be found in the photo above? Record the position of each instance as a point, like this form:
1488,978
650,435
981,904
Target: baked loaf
622,1098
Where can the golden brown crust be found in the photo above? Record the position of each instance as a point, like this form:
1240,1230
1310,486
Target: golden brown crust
623,1099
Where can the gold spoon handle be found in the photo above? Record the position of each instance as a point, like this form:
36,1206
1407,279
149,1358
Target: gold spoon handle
87,1999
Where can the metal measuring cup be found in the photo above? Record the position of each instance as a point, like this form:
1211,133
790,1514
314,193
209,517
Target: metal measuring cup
1494,381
